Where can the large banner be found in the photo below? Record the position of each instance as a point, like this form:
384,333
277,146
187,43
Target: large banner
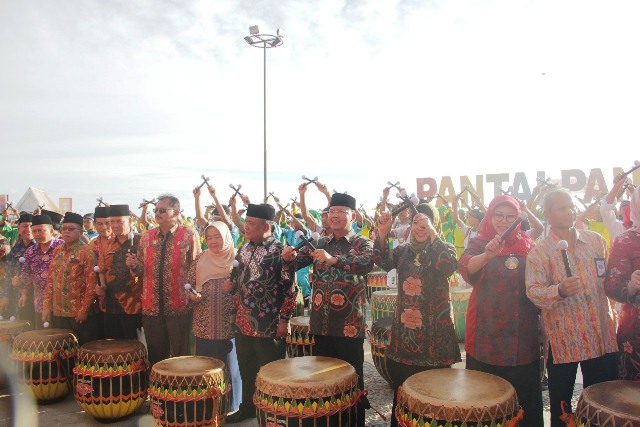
592,184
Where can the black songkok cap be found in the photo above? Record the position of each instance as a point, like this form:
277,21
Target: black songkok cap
25,217
263,210
73,218
118,210
343,199
56,218
427,209
42,219
101,212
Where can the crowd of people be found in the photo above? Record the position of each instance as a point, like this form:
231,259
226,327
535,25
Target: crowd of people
233,275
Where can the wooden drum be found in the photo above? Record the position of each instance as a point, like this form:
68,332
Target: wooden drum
457,398
300,342
189,391
383,304
376,281
610,404
379,340
111,377
45,359
306,391
9,329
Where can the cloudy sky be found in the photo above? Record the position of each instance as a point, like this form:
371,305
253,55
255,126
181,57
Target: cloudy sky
127,99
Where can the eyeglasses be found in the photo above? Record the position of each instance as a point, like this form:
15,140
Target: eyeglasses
338,212
70,228
162,210
502,217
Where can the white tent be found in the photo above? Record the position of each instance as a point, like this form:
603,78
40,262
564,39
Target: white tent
33,198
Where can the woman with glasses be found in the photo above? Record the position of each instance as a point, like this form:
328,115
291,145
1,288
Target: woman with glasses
502,323
422,335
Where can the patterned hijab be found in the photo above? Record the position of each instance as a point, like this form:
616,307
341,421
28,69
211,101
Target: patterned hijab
518,243
216,264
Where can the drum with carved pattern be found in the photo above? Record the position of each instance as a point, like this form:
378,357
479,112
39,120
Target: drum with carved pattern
300,342
379,340
376,281
383,304
111,377
609,404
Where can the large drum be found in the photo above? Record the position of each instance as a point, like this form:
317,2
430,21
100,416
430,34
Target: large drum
189,391
379,340
383,304
44,361
306,391
610,404
459,304
300,342
456,398
376,281
111,377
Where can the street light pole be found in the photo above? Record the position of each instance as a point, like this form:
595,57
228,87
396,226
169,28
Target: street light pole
264,41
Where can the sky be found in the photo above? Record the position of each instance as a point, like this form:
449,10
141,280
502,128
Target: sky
129,99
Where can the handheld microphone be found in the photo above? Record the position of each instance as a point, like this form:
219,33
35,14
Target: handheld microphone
563,245
522,217
189,288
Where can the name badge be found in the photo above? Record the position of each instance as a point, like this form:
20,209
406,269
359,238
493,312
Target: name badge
601,267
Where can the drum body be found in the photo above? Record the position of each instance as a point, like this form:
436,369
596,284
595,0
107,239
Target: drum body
456,398
610,404
44,361
300,342
8,331
376,281
383,304
189,391
306,391
379,340
111,377
459,304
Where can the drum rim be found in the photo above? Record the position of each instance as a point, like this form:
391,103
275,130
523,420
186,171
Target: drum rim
215,371
591,409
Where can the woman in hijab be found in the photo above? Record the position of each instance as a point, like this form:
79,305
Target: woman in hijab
212,326
424,265
502,324
623,285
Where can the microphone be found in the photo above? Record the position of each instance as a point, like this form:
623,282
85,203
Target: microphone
522,217
563,245
305,242
45,324
409,202
189,288
12,318
96,269
21,260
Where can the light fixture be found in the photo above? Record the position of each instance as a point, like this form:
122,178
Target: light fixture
254,30
247,39
280,33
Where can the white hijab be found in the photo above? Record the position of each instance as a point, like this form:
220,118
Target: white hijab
218,264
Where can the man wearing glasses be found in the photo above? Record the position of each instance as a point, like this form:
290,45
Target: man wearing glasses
163,259
71,283
575,314
341,262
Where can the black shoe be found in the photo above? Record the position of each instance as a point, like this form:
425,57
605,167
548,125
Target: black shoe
238,416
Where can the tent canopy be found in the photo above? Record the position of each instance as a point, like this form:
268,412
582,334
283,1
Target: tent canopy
33,198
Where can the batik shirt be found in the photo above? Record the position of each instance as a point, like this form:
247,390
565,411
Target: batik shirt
13,265
212,314
266,292
124,291
623,261
422,332
166,259
579,327
35,270
71,282
338,292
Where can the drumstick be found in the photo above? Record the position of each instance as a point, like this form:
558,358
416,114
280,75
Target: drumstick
305,241
310,181
235,189
563,245
522,217
636,165
130,237
205,181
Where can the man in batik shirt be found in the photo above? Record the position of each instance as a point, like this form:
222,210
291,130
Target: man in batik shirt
263,302
35,269
71,283
120,291
341,262
10,289
164,256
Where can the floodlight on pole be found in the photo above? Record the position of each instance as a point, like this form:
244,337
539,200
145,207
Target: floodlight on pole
264,42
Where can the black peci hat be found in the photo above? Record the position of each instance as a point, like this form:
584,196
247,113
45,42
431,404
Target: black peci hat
343,199
42,219
25,217
263,211
119,210
73,218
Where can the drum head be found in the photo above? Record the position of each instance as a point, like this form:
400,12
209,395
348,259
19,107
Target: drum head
461,294
310,376
448,394
112,346
188,366
389,294
612,403
300,322
8,327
